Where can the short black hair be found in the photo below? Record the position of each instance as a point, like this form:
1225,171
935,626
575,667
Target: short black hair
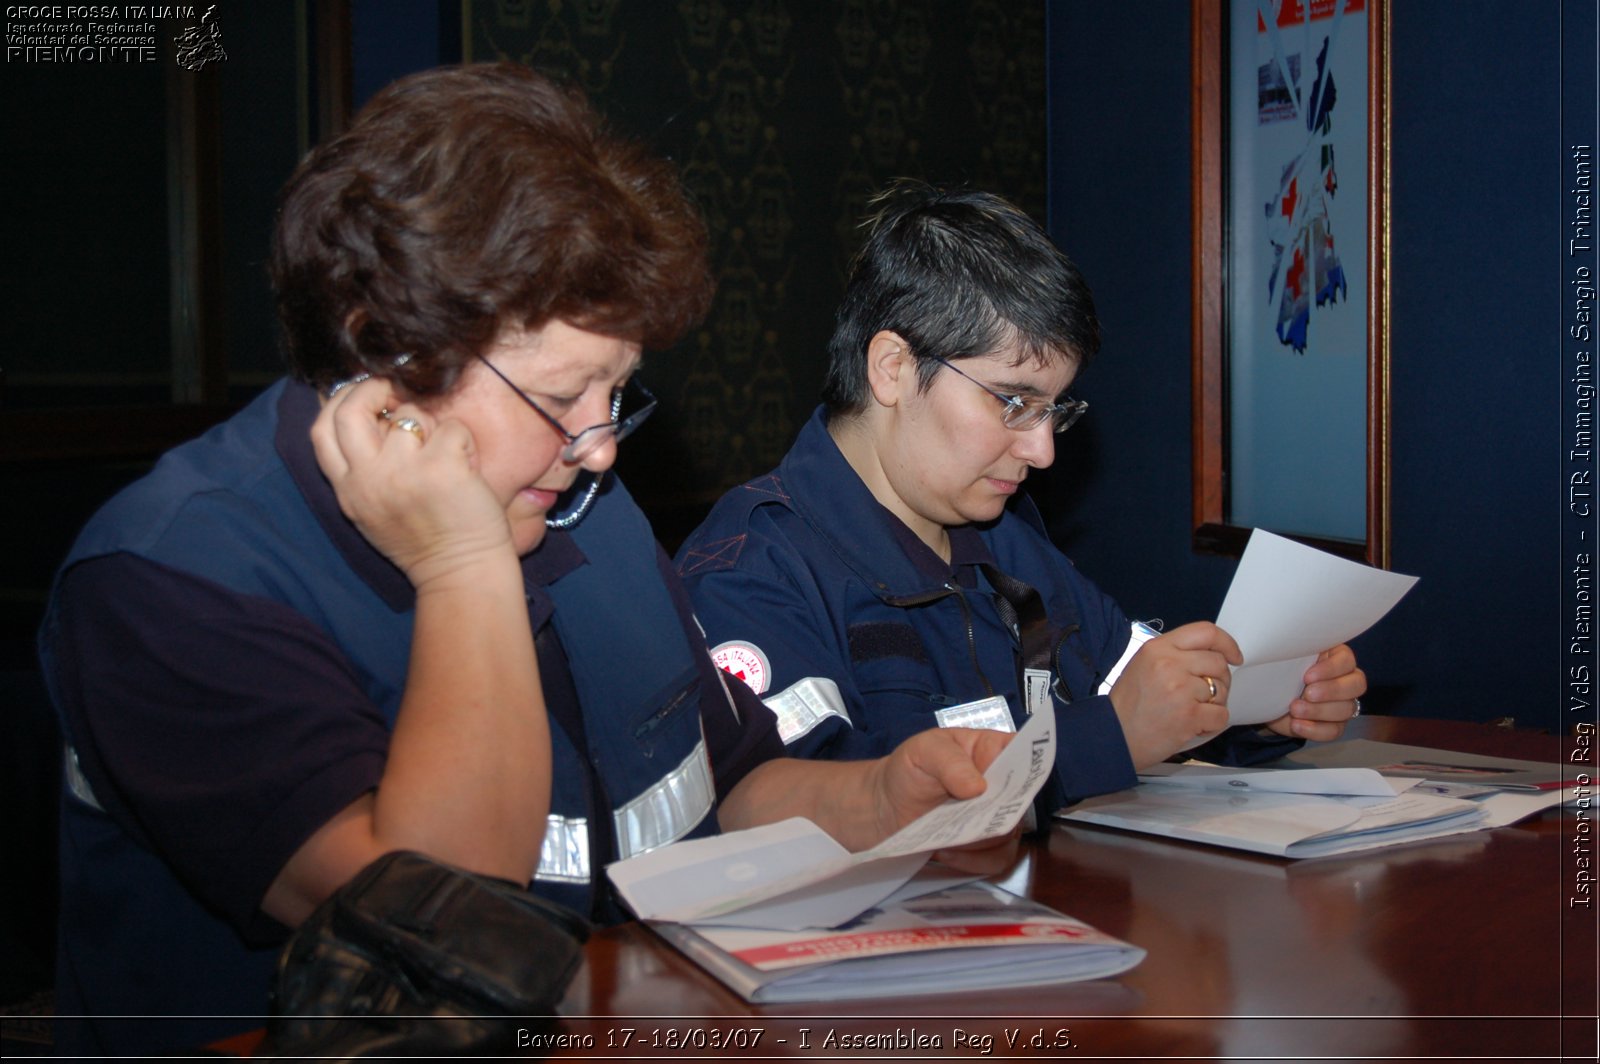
957,273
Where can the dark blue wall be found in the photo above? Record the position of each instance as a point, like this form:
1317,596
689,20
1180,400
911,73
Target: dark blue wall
1475,362
392,38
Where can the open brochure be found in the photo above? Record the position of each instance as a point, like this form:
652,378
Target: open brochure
970,936
1280,812
793,874
783,913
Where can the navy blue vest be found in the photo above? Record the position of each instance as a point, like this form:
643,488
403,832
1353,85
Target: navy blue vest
225,508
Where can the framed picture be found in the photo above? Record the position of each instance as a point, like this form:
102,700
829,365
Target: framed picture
1290,359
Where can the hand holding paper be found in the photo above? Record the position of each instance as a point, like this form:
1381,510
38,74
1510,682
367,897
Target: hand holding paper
1174,690
793,874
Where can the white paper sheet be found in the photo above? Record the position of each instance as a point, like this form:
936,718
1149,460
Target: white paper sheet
1285,825
1288,603
792,874
1333,781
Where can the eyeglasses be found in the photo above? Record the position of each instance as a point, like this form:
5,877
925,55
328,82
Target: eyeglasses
1023,414
582,444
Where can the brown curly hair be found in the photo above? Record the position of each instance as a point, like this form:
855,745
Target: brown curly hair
467,198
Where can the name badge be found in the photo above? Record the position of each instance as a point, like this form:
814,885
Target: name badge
991,714
1036,690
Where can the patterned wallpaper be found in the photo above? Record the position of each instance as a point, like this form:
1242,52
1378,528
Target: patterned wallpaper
784,117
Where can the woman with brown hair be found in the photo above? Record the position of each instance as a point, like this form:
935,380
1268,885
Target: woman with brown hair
397,602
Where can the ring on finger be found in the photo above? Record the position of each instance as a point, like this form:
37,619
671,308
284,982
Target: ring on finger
1211,688
411,425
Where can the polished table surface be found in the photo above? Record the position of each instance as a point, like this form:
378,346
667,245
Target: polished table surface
1480,945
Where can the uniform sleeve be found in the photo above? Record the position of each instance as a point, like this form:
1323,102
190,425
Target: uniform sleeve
764,616
220,730
1244,745
1091,754
1095,758
740,732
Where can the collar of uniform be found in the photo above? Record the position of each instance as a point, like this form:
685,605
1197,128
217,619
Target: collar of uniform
967,552
298,407
825,491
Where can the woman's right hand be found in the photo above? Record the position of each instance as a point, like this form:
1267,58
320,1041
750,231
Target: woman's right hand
1174,690
416,496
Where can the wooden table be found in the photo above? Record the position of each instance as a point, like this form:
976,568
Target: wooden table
1476,946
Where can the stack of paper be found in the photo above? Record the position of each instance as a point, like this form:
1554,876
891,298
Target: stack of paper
1280,812
1287,603
972,936
1305,812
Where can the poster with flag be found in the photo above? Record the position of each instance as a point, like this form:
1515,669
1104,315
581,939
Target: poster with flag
1296,265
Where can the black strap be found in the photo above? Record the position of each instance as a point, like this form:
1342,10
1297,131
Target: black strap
1022,609
562,705
1039,641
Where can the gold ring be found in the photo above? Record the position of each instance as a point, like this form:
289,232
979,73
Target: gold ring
1211,687
411,425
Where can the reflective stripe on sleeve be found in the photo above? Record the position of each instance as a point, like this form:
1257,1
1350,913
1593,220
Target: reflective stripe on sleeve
564,855
670,809
667,811
77,782
1142,634
803,705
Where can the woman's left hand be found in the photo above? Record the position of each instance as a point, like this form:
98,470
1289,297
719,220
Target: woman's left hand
408,481
1332,685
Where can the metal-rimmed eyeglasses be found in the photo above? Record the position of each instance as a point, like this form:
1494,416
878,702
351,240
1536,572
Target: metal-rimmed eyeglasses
1023,414
581,445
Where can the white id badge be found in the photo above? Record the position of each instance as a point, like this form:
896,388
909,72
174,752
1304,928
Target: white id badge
991,714
1036,690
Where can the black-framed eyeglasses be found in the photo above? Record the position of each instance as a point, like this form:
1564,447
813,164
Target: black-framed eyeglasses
581,445
1023,414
